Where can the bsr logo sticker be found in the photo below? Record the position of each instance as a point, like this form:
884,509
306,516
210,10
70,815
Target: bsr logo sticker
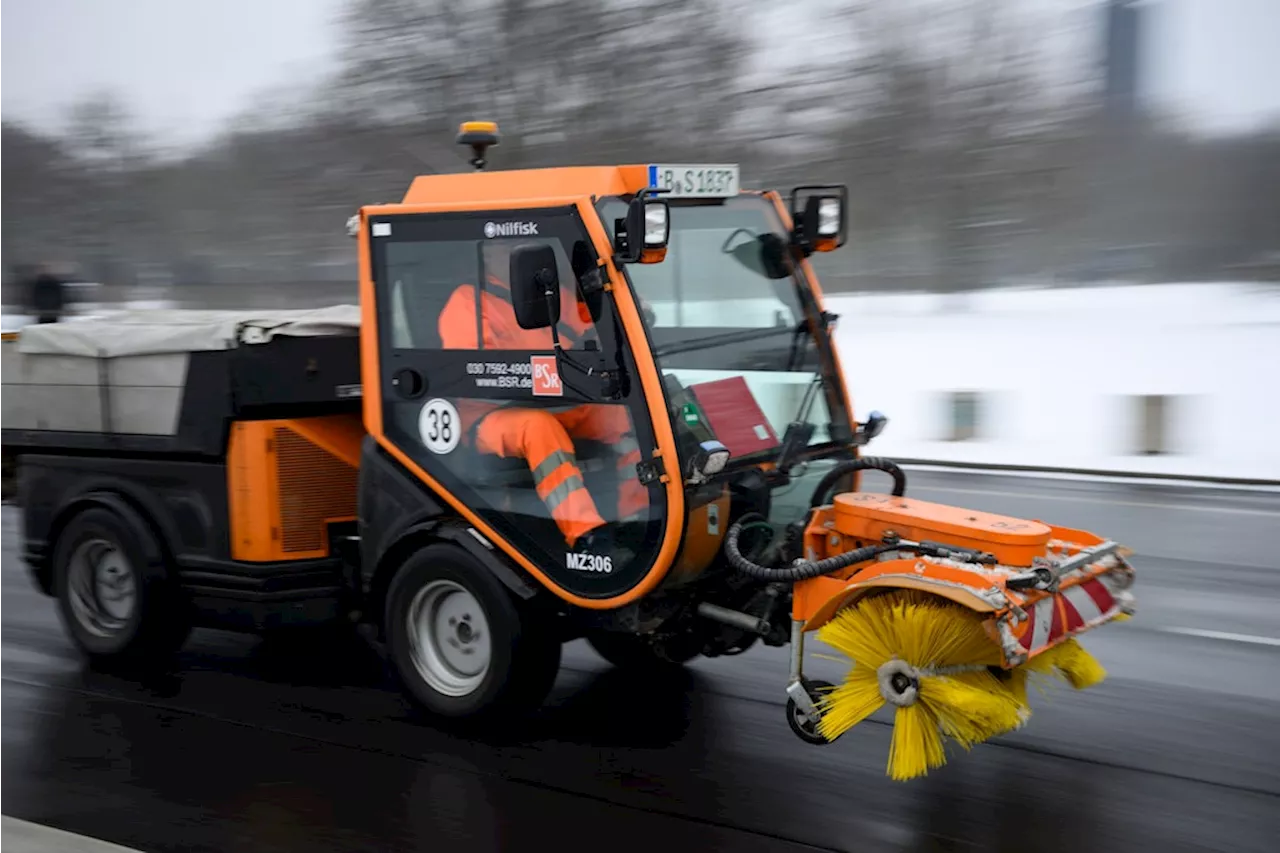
589,563
546,377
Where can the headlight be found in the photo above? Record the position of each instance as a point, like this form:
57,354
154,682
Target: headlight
655,225
828,217
709,460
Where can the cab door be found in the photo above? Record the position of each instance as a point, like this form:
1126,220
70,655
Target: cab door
463,393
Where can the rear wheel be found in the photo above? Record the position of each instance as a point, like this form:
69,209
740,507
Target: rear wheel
117,605
461,645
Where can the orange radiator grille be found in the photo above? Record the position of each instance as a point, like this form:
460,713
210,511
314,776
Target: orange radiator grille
287,480
315,487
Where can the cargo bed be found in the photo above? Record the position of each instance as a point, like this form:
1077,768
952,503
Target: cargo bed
171,381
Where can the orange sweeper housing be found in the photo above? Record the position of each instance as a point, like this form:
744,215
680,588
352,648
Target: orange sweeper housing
597,402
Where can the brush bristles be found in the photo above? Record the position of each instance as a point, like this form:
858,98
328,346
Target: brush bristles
961,697
1070,662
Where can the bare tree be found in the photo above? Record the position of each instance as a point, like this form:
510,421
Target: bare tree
968,161
602,79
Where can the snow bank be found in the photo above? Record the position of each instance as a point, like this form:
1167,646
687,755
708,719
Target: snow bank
1059,375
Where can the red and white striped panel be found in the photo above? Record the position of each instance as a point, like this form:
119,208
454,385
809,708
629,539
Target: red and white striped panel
1073,609
1040,619
1086,604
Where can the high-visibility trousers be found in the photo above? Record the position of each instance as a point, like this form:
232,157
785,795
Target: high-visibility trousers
544,439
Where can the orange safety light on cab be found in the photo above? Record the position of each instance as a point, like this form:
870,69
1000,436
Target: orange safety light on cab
480,135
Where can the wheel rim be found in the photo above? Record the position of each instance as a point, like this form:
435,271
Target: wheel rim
449,638
801,719
103,592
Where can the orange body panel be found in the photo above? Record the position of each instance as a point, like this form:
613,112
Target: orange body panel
287,480
499,189
868,516
703,537
817,600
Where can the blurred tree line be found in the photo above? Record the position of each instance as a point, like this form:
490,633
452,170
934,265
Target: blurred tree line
970,160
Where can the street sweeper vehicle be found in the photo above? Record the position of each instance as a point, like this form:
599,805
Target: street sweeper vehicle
590,402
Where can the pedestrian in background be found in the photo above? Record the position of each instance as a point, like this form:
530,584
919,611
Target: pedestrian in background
48,297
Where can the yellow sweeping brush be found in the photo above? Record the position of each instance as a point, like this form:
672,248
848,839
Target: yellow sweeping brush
931,659
1070,662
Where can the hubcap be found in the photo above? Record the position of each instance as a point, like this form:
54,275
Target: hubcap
449,638
102,589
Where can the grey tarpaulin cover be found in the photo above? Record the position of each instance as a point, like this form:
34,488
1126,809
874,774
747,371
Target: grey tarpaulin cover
123,333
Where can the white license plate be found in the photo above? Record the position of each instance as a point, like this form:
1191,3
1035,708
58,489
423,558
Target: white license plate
695,180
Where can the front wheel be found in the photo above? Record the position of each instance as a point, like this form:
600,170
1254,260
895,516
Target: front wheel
461,645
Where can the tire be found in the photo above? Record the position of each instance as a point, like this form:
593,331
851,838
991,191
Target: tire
463,604
115,598
638,653
800,725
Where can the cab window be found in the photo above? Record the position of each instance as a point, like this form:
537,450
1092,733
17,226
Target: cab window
727,328
487,408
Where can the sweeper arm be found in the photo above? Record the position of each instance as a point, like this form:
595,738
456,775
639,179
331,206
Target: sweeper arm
946,613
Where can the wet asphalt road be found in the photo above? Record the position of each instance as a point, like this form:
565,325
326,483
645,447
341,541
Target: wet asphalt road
253,746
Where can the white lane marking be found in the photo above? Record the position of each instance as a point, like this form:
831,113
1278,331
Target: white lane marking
1223,635
1117,479
1266,513
25,835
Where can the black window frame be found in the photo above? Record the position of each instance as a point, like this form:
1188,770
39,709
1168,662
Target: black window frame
427,227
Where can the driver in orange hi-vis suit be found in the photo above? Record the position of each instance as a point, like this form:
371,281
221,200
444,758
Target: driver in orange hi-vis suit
543,438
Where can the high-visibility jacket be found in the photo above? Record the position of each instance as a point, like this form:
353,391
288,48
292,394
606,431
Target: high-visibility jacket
541,437
458,326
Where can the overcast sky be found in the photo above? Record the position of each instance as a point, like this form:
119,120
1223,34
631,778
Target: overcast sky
185,67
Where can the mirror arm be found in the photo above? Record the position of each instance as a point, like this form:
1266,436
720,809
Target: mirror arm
609,383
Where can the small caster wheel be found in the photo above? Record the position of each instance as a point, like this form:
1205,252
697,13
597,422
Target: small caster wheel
805,729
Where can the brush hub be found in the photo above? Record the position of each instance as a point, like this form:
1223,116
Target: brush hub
899,683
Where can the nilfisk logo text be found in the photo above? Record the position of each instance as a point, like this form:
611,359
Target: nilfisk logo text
510,229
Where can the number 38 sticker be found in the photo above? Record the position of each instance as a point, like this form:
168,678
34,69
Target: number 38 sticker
439,427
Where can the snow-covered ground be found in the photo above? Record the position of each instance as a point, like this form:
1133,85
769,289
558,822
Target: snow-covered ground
1058,374
12,321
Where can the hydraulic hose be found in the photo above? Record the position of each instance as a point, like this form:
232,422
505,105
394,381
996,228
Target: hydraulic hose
805,569
865,463
799,570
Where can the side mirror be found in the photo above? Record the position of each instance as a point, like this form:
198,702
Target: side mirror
875,424
820,216
535,287
642,236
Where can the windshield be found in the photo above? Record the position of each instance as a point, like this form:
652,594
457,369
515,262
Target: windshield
727,325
